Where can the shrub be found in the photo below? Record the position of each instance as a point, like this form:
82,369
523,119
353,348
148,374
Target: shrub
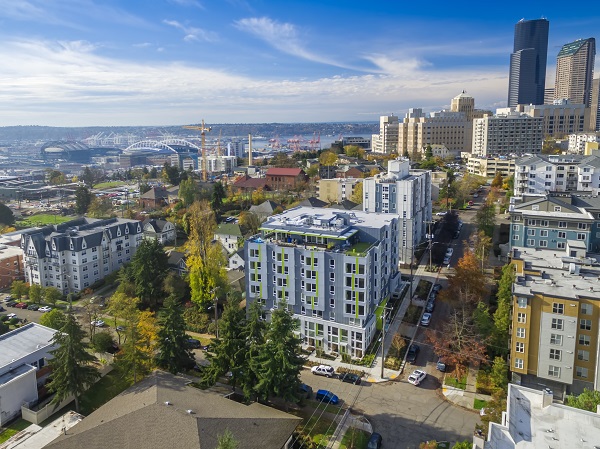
13,321
342,370
346,358
3,318
103,342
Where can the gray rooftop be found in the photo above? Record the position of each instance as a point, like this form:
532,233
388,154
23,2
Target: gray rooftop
21,342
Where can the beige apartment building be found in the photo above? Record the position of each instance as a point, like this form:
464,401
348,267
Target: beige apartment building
561,118
337,190
488,167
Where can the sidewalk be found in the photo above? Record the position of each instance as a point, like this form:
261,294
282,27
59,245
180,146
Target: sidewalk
465,398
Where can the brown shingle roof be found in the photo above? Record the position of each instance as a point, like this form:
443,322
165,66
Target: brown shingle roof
277,171
155,193
246,182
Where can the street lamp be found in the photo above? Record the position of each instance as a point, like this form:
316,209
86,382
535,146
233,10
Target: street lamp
215,307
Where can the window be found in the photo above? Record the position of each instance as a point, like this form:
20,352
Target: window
544,233
331,263
585,325
519,347
584,340
562,224
544,223
554,371
558,308
556,208
515,227
332,289
530,242
332,277
519,363
557,324
531,232
521,318
561,245
332,302
520,332
555,354
582,226
522,303
562,235
583,355
543,243
556,339
580,236
515,237
586,309
581,372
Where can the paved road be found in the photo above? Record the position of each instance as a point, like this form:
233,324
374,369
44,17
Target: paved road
405,415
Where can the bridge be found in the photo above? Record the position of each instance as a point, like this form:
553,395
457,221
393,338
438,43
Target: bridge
171,145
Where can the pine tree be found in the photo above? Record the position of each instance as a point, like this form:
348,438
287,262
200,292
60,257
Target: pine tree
149,268
173,352
254,336
502,314
72,372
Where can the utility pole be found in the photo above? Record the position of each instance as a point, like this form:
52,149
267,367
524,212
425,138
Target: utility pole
383,323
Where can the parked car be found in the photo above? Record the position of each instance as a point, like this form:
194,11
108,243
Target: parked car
456,235
323,370
449,252
430,306
193,343
120,328
11,303
446,261
426,319
11,316
351,378
413,352
21,305
475,195
97,323
440,365
33,307
437,287
470,203
417,377
305,391
374,441
8,298
327,396
45,309
2,309
441,214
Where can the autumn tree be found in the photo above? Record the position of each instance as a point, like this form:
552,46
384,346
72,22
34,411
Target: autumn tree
467,285
328,159
99,207
250,222
56,177
481,244
124,309
200,224
354,151
136,357
357,194
19,289
497,181
258,196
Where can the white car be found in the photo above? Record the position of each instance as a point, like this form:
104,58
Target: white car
98,323
417,377
426,319
441,214
323,370
11,315
45,309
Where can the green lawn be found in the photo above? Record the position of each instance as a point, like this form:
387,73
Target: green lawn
355,439
109,184
43,219
460,383
478,404
358,249
103,391
13,429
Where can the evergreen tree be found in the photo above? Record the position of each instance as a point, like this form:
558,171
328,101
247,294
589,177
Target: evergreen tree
279,361
218,194
499,374
173,352
229,348
6,215
149,268
71,369
254,336
502,314
83,199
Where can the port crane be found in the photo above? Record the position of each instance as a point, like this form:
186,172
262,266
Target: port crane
203,130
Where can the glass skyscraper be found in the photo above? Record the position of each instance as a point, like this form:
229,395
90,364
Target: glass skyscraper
527,78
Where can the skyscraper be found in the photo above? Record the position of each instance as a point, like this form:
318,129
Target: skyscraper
527,78
595,106
575,71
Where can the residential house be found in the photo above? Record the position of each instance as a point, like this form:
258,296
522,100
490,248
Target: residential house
155,198
228,234
285,178
164,410
236,260
248,184
24,355
177,263
161,230
313,202
264,209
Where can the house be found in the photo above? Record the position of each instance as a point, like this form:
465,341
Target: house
161,230
228,234
352,171
313,202
177,263
24,355
154,198
164,411
264,209
248,184
236,260
285,178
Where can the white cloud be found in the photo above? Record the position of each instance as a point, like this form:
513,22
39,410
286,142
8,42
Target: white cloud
192,33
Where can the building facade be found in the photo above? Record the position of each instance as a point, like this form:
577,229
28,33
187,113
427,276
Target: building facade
333,268
386,142
161,230
577,142
285,178
595,106
575,71
337,190
559,118
509,133
73,255
407,194
490,166
527,77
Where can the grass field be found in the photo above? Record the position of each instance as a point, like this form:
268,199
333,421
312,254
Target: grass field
13,429
43,219
452,382
109,184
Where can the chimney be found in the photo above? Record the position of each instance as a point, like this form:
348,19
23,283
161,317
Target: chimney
548,397
249,149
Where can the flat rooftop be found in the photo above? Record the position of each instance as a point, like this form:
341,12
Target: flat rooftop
15,345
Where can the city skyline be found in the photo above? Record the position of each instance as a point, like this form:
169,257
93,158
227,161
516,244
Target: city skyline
82,63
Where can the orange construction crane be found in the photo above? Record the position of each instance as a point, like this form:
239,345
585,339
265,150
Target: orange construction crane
203,130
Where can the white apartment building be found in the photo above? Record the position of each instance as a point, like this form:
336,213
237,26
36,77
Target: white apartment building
556,173
73,255
219,164
332,267
577,141
405,193
507,133
559,118
386,141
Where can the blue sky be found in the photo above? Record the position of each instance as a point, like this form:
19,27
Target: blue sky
169,62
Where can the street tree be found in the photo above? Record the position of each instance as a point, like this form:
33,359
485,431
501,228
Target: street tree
485,218
588,400
467,285
279,362
497,181
83,199
149,267
173,354
481,244
55,319
228,350
91,311
19,289
36,293
72,372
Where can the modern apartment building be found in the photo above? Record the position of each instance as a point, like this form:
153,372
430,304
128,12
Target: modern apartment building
575,71
405,193
540,174
490,166
527,77
73,255
507,133
559,118
332,267
386,141
578,141
556,309
336,190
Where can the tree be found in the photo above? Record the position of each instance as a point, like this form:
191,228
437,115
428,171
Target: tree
149,267
279,363
493,410
36,293
500,334
100,207
485,218
282,160
92,176
188,191
250,222
328,159
19,289
136,357
229,348
102,342
6,215
254,336
72,371
124,309
428,445
83,198
588,400
357,194
497,181
499,374
52,295
174,354
482,320
177,287
258,196
217,197
428,152
227,441
467,286
354,151
170,174
463,445
481,244
55,319
56,177
200,224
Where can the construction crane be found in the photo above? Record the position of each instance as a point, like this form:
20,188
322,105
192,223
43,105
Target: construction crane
219,145
203,130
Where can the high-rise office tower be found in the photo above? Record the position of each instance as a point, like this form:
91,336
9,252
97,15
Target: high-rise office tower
527,78
575,71
595,106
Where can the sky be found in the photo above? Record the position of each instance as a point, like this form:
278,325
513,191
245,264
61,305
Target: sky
171,62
